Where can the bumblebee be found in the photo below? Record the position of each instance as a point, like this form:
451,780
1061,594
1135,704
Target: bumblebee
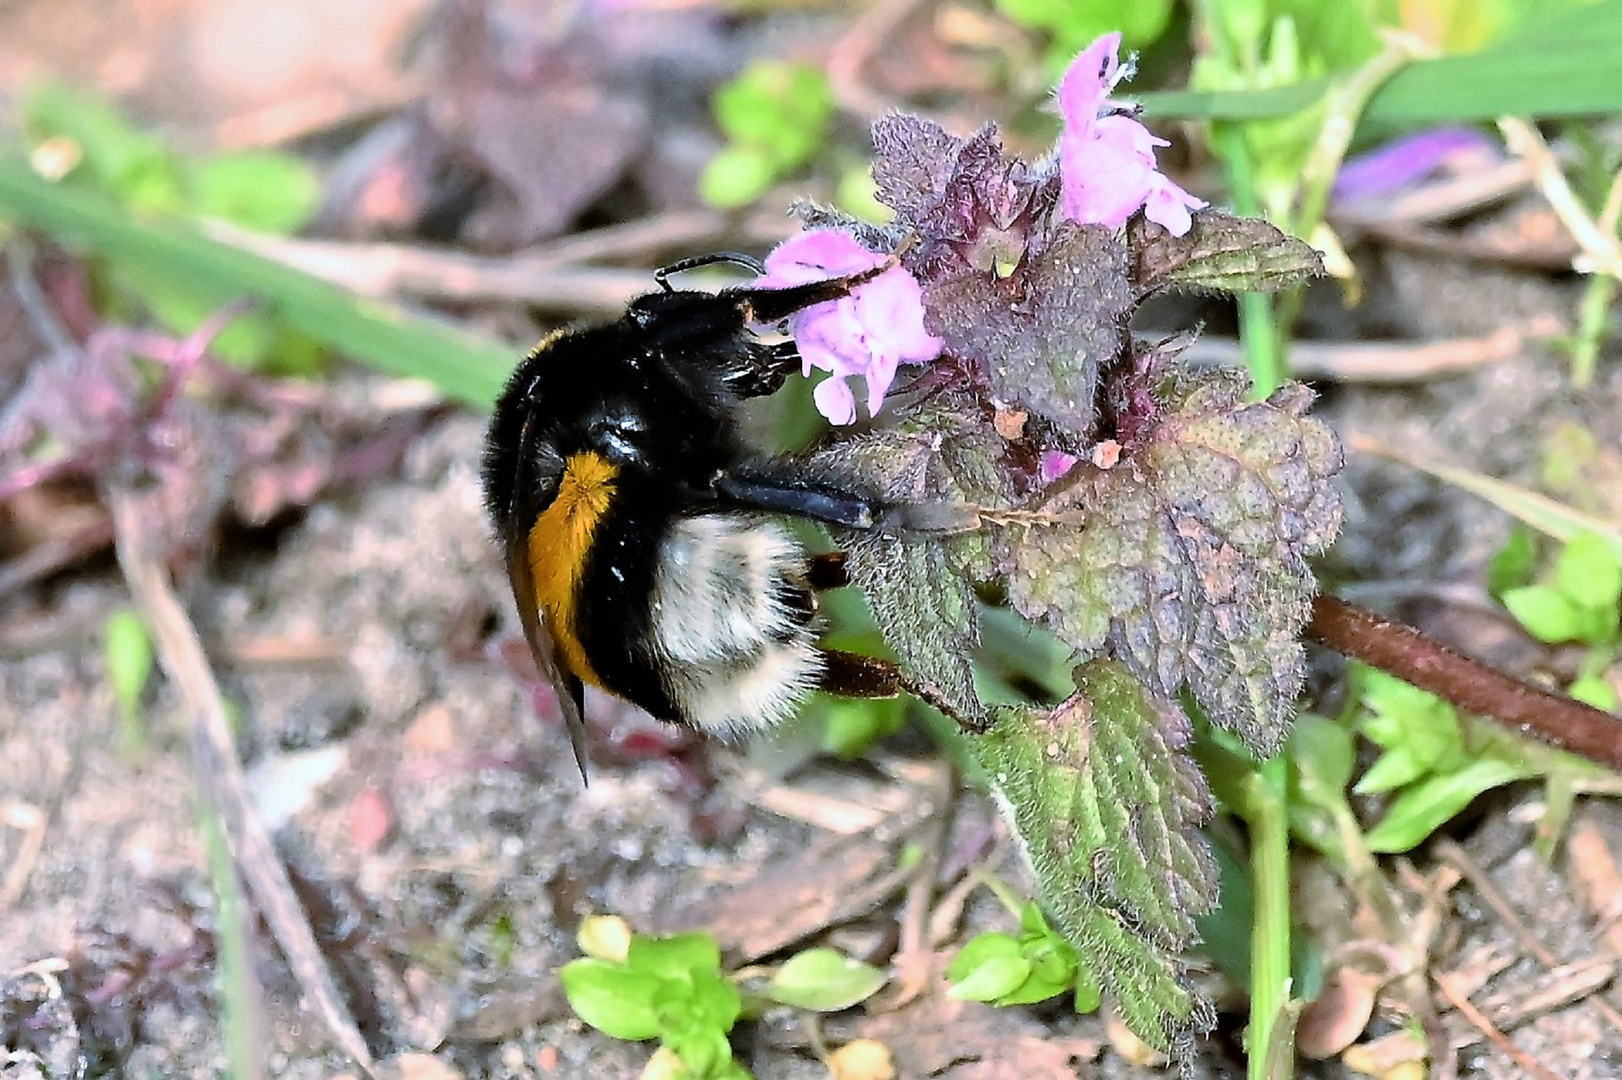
643,539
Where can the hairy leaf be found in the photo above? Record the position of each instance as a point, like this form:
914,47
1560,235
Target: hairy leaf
955,192
1190,558
1219,252
918,584
1106,803
1042,331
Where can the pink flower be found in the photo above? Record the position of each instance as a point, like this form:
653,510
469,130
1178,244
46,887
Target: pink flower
868,333
1107,158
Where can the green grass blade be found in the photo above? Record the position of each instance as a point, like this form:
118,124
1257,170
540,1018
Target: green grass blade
1552,518
1565,65
465,366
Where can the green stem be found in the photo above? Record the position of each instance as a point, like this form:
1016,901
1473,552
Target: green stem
1270,938
241,1026
1263,354
1594,316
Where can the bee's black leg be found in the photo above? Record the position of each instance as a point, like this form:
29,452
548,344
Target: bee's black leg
833,506
851,675
825,504
828,571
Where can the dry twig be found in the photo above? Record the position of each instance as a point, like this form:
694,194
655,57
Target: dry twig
217,767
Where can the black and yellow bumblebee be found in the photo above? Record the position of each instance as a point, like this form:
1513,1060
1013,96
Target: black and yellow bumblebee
643,538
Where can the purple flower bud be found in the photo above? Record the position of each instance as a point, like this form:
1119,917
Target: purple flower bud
1055,464
1107,158
868,333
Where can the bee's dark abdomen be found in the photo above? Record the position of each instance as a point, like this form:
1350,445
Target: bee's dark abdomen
616,623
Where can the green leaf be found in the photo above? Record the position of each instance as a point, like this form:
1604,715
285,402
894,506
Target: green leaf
704,1051
1514,564
916,583
991,978
1323,750
129,667
781,109
257,189
851,726
1560,65
115,156
1546,614
824,980
674,957
1589,572
1595,691
979,949
1053,964
1220,253
736,176
1395,703
1394,769
1106,802
613,999
1427,806
706,999
1089,994
465,366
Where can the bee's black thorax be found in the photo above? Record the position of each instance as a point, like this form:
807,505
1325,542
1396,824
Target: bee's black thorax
643,408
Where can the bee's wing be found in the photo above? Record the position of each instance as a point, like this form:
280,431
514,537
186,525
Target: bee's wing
568,689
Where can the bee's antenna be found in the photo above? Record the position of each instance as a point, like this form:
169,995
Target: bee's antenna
736,258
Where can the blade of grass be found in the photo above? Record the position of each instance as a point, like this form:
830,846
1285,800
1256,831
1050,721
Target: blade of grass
1542,513
465,366
1563,66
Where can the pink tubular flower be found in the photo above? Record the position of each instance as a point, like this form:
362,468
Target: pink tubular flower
868,333
1107,158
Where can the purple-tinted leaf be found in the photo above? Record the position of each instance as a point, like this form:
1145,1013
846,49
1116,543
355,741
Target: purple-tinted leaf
1042,332
1191,565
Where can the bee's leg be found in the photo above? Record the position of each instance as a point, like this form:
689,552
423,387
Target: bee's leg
827,571
850,675
767,369
817,502
834,506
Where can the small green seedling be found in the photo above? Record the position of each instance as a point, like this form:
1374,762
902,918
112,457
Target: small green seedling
1008,969
1435,763
1580,602
129,668
673,989
775,116
1427,762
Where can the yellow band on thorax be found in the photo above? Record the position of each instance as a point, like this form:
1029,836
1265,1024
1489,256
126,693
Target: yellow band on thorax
559,545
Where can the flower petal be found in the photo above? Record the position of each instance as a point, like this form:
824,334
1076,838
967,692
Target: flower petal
1086,82
835,401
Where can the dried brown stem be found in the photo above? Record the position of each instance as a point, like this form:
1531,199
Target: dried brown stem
1479,1021
214,752
1469,684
